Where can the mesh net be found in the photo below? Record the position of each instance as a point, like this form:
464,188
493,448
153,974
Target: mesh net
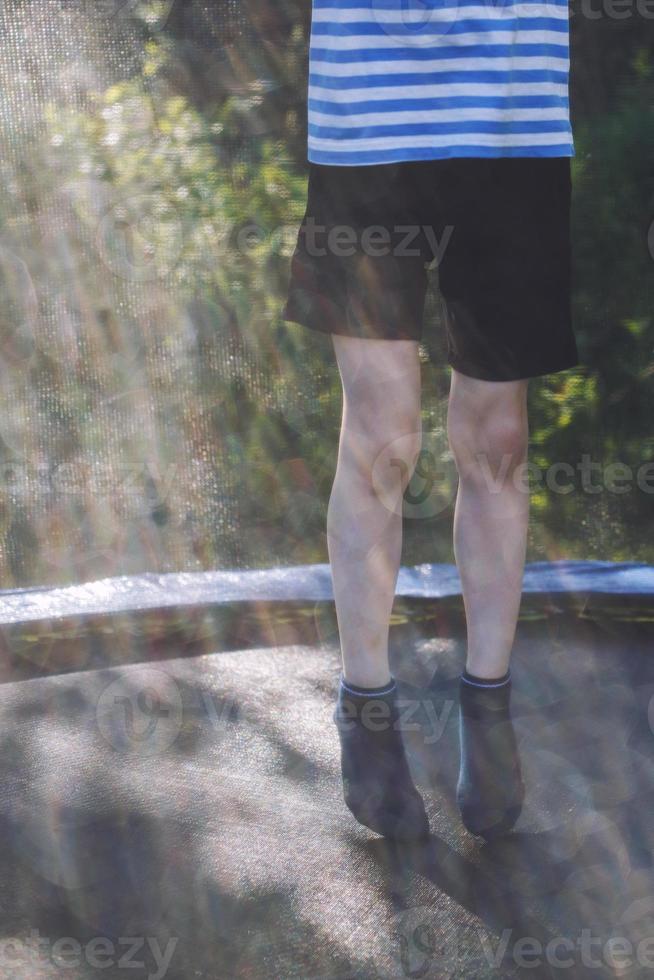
156,414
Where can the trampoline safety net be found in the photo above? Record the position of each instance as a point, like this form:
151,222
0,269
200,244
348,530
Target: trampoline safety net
157,414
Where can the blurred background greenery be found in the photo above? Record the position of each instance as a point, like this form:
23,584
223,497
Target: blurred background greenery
157,414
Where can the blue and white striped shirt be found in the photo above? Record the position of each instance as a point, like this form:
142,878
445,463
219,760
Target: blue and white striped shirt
394,80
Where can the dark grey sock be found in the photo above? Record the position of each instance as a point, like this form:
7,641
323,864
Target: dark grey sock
490,790
377,784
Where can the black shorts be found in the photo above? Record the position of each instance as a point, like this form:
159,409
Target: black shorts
498,232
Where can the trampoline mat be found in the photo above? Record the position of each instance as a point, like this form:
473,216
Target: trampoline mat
193,808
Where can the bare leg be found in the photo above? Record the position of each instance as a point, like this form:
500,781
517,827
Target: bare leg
488,434
379,444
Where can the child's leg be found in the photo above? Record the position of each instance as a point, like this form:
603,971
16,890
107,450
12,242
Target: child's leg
379,444
488,432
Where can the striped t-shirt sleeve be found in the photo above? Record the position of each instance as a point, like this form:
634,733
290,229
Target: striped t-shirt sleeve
395,80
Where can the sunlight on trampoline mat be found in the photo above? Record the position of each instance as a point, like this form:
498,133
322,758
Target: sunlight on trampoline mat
226,829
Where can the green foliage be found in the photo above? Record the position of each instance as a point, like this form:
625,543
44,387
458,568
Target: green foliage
605,408
177,190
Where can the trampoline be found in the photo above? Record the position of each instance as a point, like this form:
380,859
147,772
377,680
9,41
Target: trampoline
171,803
184,786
